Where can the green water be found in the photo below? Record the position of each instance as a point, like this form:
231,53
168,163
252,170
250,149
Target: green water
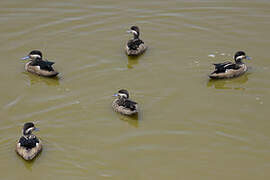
188,127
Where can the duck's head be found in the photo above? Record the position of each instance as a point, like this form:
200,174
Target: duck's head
33,55
240,55
135,31
122,94
28,128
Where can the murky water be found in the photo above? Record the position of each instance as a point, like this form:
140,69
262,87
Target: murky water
188,127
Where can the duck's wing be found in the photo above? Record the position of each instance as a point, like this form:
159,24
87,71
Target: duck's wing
223,67
45,65
50,63
129,104
134,44
220,65
28,143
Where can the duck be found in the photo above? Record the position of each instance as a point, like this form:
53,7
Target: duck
38,66
123,105
28,146
230,69
135,46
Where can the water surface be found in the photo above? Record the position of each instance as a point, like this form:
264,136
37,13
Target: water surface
188,127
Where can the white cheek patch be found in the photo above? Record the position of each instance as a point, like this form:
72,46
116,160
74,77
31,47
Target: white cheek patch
240,57
134,32
123,95
29,130
34,56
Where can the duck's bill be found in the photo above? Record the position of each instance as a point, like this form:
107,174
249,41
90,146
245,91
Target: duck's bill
129,31
36,129
116,94
248,58
24,58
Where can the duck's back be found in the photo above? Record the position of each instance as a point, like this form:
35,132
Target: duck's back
228,71
28,143
126,107
129,104
41,68
134,44
44,65
28,148
135,47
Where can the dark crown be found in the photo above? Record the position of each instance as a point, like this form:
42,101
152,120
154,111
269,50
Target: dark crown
136,28
27,126
123,91
239,53
36,52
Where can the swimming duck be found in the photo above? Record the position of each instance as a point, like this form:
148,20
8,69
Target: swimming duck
123,104
28,146
38,66
135,46
230,69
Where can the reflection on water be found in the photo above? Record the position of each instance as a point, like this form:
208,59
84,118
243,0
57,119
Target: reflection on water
132,120
34,79
86,38
29,164
233,83
132,60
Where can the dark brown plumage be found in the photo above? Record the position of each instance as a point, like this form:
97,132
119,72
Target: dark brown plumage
38,66
230,69
28,146
123,104
135,46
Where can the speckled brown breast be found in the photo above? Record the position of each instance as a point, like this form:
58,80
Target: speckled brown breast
123,110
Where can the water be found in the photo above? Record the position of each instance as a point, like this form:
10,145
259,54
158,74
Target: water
188,127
